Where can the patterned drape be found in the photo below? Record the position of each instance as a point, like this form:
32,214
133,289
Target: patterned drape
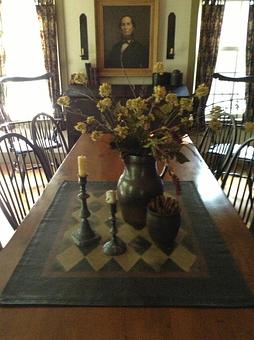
46,11
211,22
250,63
2,67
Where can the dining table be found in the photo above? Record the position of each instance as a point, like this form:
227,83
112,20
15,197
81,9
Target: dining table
223,249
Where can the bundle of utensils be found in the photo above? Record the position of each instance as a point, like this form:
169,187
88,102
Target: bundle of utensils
164,205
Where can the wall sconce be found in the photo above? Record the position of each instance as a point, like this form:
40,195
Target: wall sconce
83,37
171,36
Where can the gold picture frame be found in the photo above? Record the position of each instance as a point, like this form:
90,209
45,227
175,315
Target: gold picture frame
110,59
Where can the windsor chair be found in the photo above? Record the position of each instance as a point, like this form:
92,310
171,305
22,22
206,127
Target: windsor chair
22,180
237,182
47,135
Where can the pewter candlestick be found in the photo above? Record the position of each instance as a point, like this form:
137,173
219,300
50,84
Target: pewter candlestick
84,236
115,246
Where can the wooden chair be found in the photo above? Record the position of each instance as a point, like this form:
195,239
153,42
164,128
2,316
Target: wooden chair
216,147
48,136
237,182
22,179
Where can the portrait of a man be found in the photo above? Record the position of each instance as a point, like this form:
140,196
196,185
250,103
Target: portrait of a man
126,36
127,52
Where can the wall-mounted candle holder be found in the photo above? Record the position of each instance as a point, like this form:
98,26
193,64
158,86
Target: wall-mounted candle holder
83,37
171,36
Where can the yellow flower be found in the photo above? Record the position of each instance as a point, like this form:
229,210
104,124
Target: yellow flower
168,138
122,111
172,99
159,93
144,126
78,78
249,126
104,104
96,135
215,124
186,104
64,101
201,91
81,127
216,111
105,90
187,121
136,104
90,120
158,67
121,131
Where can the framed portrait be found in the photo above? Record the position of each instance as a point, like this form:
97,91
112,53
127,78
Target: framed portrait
126,36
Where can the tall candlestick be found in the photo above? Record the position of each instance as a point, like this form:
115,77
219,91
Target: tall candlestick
82,166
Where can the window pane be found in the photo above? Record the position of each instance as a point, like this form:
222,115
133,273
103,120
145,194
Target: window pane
231,59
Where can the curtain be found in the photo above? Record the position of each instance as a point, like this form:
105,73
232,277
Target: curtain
211,22
46,11
249,115
2,69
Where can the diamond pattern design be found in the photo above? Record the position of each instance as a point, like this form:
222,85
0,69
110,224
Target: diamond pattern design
141,255
140,244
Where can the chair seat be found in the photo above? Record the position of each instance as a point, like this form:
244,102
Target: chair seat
246,152
21,147
219,149
49,143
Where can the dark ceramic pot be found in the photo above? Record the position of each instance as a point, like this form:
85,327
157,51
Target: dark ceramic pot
162,79
137,185
163,229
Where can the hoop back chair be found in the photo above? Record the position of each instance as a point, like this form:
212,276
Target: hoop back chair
22,180
238,181
216,147
48,136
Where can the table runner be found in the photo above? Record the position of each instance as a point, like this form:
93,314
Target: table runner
198,271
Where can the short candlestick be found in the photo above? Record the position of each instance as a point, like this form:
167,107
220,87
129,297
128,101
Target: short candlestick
115,246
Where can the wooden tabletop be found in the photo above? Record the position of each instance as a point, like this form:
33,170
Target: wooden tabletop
117,323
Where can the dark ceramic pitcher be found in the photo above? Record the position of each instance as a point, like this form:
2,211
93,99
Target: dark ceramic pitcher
136,186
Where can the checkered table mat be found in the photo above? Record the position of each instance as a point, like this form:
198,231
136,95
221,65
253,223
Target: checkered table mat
142,254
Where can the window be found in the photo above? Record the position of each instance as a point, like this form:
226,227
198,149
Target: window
231,59
24,57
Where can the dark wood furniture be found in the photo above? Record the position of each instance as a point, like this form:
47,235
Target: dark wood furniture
48,136
121,322
216,147
238,181
24,173
86,106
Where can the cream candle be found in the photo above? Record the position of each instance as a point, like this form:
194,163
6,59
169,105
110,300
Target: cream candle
111,196
82,166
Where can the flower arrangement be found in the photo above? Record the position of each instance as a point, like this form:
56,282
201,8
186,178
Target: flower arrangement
158,67
142,126
78,79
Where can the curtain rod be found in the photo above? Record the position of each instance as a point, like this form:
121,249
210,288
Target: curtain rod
45,2
213,2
